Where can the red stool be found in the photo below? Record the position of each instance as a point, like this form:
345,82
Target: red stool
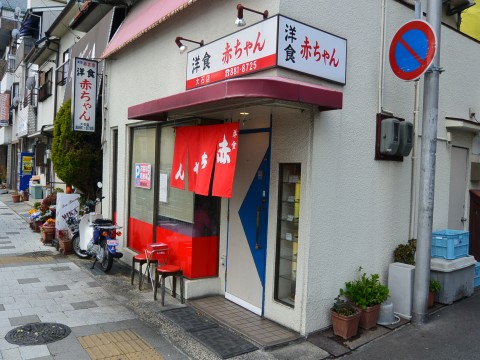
142,259
165,271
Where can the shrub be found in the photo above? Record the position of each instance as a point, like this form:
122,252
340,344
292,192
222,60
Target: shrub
76,156
405,253
365,291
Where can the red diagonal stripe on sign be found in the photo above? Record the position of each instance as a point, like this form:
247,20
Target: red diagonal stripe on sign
411,51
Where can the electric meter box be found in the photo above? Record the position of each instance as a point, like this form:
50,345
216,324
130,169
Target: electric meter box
390,136
406,138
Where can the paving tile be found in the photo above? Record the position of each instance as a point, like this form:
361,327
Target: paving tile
61,268
84,305
125,344
22,320
33,352
56,288
2,308
11,354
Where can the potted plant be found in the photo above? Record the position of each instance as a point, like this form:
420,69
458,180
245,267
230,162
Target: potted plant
405,253
367,293
433,289
15,196
25,195
65,245
345,318
48,231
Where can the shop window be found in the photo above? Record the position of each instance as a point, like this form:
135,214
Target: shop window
287,233
181,210
142,165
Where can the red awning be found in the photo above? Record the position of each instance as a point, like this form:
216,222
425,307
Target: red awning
236,92
144,17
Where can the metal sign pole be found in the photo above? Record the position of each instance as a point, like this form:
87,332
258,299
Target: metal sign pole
427,173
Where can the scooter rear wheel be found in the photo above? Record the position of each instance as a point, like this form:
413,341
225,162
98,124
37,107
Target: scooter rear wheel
76,248
107,260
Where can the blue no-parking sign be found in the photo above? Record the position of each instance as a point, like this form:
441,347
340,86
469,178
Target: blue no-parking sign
412,49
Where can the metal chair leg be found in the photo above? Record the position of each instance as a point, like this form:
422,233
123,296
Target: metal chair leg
163,290
133,270
155,286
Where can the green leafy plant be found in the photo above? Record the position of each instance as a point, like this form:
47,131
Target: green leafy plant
76,156
3,174
405,253
434,286
365,291
344,308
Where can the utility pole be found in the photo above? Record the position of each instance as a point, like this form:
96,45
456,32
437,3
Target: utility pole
427,172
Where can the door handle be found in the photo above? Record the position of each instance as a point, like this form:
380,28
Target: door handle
257,230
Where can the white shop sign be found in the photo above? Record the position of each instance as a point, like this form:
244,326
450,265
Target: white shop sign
277,41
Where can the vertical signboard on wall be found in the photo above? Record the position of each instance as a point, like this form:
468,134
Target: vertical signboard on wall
84,95
4,109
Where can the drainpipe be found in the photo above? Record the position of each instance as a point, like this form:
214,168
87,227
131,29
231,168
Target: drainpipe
413,176
382,57
416,111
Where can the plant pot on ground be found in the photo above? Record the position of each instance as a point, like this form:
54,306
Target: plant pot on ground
367,293
345,318
16,197
433,289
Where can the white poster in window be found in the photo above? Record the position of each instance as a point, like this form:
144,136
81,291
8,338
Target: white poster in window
163,193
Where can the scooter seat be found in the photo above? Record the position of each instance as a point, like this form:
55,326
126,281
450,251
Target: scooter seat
103,222
117,255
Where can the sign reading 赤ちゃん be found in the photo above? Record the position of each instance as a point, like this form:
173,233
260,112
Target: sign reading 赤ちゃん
277,41
84,95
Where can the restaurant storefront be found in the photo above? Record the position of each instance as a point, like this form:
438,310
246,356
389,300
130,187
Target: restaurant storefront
244,237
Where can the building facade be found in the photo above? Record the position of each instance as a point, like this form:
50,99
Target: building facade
312,198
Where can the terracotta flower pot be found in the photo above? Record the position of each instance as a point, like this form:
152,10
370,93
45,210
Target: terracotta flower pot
47,236
36,225
65,246
431,299
16,198
369,317
345,326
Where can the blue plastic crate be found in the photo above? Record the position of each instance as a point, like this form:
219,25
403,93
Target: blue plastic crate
450,244
476,278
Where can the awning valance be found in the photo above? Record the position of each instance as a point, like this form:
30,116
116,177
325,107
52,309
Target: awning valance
144,17
238,91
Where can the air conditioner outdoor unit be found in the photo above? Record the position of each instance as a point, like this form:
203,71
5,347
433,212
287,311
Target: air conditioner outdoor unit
15,101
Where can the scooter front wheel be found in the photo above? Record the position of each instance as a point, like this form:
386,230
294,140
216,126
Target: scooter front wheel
76,248
107,260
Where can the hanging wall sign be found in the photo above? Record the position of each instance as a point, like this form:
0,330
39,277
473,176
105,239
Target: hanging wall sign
275,42
84,95
4,109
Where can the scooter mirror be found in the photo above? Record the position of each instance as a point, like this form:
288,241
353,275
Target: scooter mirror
99,185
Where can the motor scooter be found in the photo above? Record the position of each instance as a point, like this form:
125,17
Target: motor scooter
92,235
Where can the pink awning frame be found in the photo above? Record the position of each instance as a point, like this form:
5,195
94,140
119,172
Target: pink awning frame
143,17
241,89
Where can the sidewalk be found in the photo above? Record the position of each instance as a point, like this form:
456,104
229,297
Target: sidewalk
37,284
